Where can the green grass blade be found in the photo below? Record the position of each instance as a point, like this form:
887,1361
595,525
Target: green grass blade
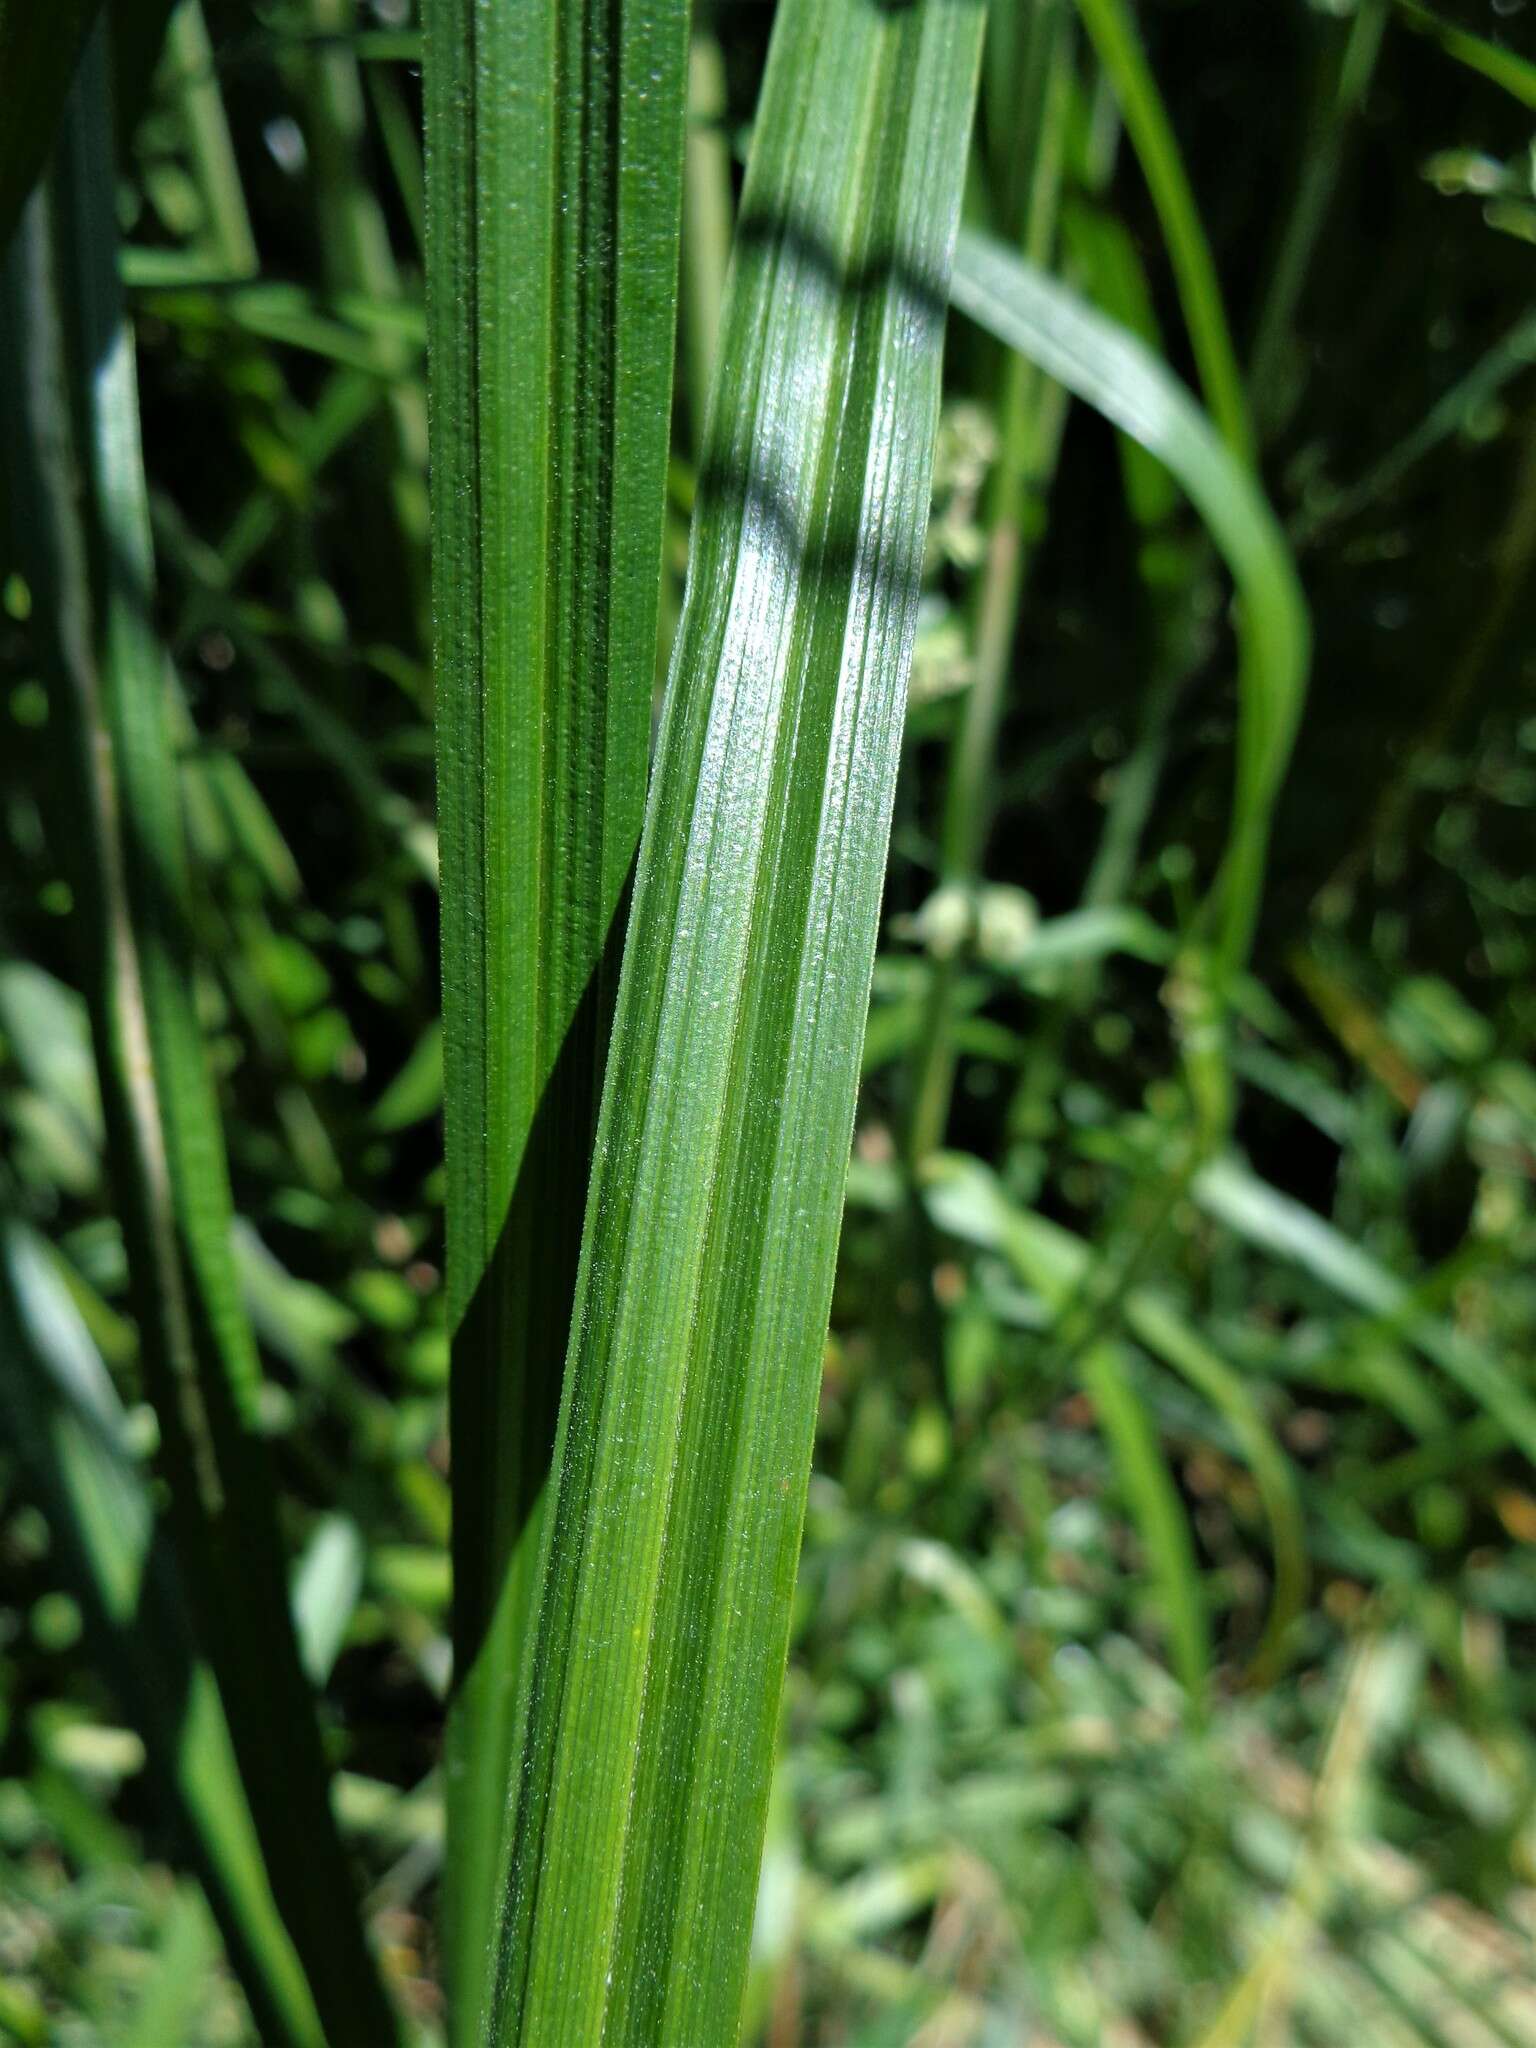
65,1423
210,149
76,466
356,259
138,30
1119,49
1113,372
1168,1336
1501,66
39,50
555,145
1032,71
1451,414
1101,256
1289,1230
1160,1516
1104,260
712,1227
1031,415
1277,366
166,2009
969,1201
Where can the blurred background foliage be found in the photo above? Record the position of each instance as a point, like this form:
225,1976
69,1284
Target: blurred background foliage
1163,1663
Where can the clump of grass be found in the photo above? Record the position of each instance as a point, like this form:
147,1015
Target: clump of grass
74,431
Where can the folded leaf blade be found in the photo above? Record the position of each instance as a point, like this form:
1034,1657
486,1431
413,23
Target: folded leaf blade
555,147
712,1225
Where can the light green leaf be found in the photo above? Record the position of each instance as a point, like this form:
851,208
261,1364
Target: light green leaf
1170,1337
968,1200
167,2008
1154,1500
652,1679
48,1034
325,1592
294,1318
1290,1230
1503,67
1116,374
416,1090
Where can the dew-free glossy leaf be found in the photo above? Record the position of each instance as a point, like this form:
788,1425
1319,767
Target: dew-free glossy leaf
679,1478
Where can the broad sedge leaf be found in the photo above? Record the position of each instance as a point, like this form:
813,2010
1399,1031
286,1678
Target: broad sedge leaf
555,151
651,1688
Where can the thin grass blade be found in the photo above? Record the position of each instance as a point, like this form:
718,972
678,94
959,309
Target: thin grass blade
1119,47
1160,1515
1167,1335
1288,1229
1493,61
1116,374
969,1201
1027,68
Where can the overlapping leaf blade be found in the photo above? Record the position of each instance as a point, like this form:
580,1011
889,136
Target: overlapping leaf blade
555,147
679,1477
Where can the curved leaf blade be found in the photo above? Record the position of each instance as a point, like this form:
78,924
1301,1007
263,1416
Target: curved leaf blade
968,1200
1109,369
1160,1515
1289,1230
